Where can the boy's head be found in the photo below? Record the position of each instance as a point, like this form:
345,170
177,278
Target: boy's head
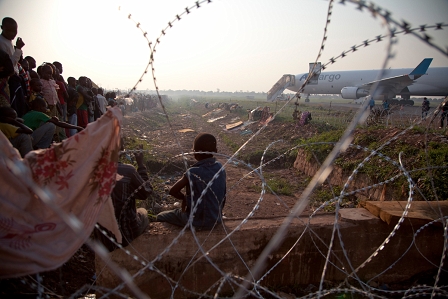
31,62
39,104
9,28
54,70
39,71
204,142
36,85
88,83
56,74
47,72
71,81
82,81
24,64
58,66
112,102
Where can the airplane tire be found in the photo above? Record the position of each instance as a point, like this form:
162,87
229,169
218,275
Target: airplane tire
394,102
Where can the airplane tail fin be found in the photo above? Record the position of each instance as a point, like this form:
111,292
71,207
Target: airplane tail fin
421,69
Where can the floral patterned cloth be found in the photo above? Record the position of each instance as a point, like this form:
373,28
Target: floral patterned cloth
305,117
79,174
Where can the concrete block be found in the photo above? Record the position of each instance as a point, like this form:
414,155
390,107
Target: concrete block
215,261
420,212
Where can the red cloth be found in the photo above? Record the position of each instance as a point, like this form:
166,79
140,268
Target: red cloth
83,118
61,91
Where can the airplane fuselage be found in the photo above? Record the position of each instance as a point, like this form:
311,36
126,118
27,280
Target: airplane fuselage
434,83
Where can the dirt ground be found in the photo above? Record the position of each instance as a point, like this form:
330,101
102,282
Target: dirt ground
244,188
243,193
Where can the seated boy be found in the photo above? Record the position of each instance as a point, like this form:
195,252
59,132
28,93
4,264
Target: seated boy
208,212
43,125
17,133
131,184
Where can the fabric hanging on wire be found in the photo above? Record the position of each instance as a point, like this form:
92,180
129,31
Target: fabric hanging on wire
78,174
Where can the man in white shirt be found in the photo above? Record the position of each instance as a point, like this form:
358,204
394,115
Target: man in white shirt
102,102
9,32
17,93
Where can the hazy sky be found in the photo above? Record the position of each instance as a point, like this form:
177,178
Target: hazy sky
229,45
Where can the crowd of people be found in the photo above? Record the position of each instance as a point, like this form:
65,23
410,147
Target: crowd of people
43,107
38,107
425,109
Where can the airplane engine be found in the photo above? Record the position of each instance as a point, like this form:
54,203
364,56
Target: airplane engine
353,93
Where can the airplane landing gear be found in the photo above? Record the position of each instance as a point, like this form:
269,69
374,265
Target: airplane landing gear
307,99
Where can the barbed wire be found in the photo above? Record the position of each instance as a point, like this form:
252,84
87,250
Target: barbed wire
252,283
336,199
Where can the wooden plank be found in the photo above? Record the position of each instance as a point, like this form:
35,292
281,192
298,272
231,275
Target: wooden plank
234,125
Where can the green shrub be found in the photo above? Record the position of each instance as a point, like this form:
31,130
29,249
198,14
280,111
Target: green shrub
280,186
321,151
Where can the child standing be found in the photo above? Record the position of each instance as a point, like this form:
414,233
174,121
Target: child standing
83,100
206,208
36,89
444,114
49,90
371,103
385,105
425,107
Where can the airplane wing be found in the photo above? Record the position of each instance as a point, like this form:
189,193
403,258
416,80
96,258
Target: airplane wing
395,85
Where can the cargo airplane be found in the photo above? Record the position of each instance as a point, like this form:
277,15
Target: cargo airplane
406,82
